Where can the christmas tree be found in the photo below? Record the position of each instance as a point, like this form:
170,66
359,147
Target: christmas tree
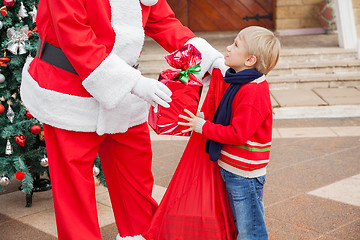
22,144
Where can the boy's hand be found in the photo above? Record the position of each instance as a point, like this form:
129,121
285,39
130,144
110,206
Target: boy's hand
192,121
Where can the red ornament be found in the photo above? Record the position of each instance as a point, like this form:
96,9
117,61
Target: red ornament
4,60
20,139
9,3
20,175
2,108
3,11
28,114
36,129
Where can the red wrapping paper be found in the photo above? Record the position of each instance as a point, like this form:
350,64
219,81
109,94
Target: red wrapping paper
184,95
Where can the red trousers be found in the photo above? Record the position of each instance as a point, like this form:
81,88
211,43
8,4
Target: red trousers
126,161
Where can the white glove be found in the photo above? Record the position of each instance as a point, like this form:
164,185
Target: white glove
220,64
208,54
152,91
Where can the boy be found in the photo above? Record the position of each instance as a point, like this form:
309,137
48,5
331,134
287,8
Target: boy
239,137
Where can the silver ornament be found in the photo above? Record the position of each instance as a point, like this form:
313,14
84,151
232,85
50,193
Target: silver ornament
1,25
4,181
10,114
22,11
17,38
8,149
2,78
22,49
33,14
96,171
44,162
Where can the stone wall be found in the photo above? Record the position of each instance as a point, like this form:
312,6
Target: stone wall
295,14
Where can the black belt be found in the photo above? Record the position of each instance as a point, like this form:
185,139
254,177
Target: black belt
54,56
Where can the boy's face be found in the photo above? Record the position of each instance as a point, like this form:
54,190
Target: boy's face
237,56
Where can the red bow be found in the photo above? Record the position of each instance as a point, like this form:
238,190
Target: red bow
31,32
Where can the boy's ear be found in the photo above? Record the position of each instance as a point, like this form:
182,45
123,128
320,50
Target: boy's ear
251,61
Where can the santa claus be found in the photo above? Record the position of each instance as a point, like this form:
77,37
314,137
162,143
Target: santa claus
82,85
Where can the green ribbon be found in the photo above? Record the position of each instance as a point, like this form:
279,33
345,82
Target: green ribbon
184,75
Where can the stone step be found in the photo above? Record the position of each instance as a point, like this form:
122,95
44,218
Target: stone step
291,62
287,56
158,63
308,81
326,67
315,81
316,54
305,80
304,67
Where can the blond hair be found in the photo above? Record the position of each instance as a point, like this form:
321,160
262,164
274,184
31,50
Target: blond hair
262,43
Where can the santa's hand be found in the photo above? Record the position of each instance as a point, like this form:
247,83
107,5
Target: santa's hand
220,64
152,91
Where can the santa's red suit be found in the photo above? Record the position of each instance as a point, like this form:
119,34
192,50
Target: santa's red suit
95,110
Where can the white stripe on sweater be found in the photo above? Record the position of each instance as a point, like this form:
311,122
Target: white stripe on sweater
255,144
247,174
244,159
259,79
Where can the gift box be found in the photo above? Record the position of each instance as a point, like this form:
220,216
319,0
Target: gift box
186,91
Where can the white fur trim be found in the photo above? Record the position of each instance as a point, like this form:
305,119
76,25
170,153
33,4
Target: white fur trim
130,112
208,55
53,108
126,20
137,237
111,81
148,2
79,113
114,77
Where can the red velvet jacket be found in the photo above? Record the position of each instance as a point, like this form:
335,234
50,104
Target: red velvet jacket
102,39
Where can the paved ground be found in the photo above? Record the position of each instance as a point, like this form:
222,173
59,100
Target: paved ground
313,179
313,188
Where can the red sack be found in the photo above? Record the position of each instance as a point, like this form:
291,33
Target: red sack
195,205
186,91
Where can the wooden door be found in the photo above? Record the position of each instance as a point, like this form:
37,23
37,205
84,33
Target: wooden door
223,15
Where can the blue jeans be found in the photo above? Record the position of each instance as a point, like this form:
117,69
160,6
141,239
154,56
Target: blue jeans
246,201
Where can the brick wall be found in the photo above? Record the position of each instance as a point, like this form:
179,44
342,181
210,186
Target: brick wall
356,7
295,14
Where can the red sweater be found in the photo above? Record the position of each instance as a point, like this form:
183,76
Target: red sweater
247,139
